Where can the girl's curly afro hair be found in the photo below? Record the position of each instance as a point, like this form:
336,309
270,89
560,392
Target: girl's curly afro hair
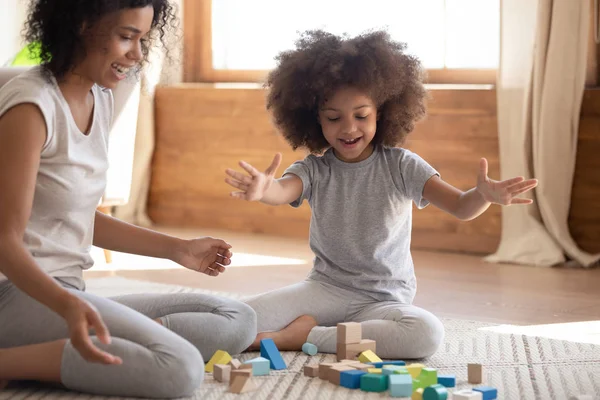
322,62
56,26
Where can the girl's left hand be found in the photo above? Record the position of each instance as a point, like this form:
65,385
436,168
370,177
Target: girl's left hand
207,255
503,192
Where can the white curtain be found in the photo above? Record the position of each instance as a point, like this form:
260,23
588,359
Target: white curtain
543,54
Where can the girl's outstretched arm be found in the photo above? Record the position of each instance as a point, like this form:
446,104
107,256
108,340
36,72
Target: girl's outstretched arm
472,203
262,186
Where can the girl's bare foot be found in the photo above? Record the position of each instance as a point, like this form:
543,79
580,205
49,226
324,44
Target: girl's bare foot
290,338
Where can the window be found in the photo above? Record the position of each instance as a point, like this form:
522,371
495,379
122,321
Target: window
237,40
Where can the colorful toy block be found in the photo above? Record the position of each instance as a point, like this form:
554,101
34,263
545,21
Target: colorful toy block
351,351
349,362
309,349
374,371
448,381
400,385
222,373
373,383
311,370
415,370
269,350
235,364
428,377
260,366
391,369
417,394
368,356
384,363
333,373
417,384
362,367
351,379
466,394
349,332
435,392
487,393
220,357
475,373
242,384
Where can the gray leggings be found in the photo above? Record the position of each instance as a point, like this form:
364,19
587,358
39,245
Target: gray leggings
402,331
158,361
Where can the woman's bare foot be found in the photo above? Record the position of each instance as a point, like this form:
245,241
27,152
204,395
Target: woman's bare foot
290,338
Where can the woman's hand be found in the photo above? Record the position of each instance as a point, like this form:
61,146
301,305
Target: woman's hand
207,255
503,192
82,316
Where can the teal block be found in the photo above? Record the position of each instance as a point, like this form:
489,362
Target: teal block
435,392
374,383
269,350
428,377
309,349
260,366
400,385
351,379
382,363
448,381
393,369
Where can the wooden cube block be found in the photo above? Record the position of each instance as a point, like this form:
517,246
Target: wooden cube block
311,370
352,350
323,368
475,373
235,364
239,372
220,357
349,332
242,384
362,367
466,394
350,362
222,373
333,373
368,356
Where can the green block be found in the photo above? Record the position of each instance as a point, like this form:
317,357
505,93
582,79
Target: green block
435,392
428,377
391,369
402,371
374,383
417,384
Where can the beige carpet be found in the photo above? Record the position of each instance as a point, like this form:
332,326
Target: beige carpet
522,367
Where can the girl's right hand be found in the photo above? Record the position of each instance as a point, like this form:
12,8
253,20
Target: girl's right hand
82,316
254,185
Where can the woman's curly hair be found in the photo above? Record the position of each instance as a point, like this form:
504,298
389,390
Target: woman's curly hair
323,62
56,26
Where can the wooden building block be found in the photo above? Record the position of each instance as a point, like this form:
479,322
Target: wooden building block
362,367
350,362
368,356
235,363
222,373
240,372
333,373
475,373
220,357
352,350
323,368
311,370
351,379
269,350
466,394
400,385
435,392
349,332
260,366
242,384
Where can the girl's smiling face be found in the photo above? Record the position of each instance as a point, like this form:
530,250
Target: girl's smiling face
349,121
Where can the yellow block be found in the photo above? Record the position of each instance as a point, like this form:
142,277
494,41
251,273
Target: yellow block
368,357
415,370
374,371
417,394
220,357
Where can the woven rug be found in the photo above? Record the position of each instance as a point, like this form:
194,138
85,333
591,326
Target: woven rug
521,367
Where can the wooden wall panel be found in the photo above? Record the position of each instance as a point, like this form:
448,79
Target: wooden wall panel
201,130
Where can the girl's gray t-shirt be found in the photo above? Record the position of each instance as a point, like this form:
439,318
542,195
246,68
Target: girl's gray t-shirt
360,228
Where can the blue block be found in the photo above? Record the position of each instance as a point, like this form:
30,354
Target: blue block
381,364
260,366
351,379
269,351
448,381
309,349
487,392
400,385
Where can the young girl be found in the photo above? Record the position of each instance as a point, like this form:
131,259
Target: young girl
356,100
54,126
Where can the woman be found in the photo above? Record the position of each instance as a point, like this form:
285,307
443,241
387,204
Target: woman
54,124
